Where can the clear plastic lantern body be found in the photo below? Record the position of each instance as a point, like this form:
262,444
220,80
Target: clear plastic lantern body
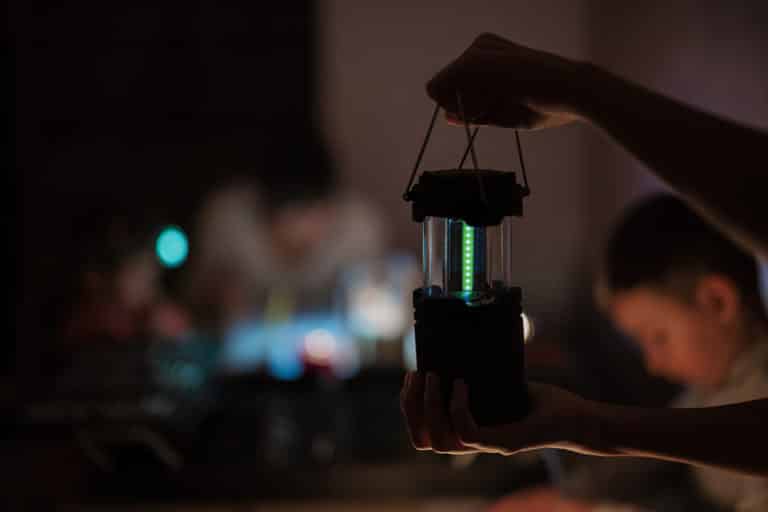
465,261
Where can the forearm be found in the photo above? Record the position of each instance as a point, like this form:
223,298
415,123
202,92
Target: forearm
731,437
718,164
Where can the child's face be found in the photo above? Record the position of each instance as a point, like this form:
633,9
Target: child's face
689,343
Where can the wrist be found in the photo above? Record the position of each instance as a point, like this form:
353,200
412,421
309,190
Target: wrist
596,432
589,84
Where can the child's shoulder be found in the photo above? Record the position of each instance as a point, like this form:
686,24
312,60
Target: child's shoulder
748,380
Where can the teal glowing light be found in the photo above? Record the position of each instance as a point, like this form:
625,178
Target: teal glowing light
172,246
467,257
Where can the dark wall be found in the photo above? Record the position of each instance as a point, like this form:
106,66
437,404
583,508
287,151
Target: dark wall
112,94
145,108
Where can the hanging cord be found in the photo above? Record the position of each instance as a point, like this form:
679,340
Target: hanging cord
470,147
526,188
407,193
470,137
466,151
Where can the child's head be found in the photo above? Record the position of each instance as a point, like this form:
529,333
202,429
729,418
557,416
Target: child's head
686,294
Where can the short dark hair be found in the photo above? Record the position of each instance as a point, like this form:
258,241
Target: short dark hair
662,242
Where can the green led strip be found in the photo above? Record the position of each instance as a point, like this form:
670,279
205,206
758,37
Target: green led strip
467,256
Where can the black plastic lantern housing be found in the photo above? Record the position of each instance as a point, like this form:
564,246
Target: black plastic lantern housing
468,315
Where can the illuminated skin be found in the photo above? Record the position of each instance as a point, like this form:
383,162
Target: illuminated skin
693,342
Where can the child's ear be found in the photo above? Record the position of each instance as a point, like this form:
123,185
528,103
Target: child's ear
718,296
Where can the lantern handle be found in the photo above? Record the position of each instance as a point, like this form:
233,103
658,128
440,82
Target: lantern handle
526,188
471,148
470,136
407,193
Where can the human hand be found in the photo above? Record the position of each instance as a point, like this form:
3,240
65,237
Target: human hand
558,419
496,81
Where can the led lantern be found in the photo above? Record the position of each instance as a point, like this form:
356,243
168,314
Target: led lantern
468,314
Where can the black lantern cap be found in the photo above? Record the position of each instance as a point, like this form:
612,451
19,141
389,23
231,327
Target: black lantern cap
481,197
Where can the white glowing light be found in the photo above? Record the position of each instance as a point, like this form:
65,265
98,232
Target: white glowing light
409,350
320,346
377,312
527,327
346,362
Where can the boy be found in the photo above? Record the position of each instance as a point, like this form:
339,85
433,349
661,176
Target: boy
690,299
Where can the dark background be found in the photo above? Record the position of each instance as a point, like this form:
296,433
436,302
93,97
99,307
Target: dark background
146,108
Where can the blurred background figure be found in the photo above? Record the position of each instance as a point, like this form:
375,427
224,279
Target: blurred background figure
277,239
116,289
281,255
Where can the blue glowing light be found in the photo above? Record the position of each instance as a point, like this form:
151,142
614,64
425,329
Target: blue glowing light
172,246
284,362
282,348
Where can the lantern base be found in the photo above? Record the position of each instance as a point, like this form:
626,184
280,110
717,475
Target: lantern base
479,343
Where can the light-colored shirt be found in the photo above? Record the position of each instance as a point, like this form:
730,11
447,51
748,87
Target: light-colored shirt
747,380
